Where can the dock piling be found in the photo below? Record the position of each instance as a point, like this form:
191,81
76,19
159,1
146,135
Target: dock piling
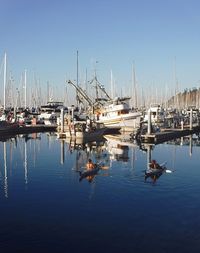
149,122
62,120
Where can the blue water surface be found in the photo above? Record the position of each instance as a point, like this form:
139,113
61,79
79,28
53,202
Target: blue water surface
44,207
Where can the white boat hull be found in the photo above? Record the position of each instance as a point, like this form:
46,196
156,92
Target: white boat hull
131,120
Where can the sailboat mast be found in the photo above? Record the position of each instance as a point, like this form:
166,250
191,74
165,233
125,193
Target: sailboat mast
48,91
134,88
111,84
176,86
25,98
77,75
4,81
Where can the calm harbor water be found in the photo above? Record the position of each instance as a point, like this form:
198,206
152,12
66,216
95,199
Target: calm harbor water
45,207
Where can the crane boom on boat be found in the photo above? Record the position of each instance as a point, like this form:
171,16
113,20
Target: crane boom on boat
82,92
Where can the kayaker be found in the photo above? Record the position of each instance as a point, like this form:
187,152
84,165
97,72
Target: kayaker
154,165
90,165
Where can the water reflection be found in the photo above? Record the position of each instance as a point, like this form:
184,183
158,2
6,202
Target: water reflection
14,148
95,150
114,148
118,147
109,152
154,176
5,171
25,164
39,180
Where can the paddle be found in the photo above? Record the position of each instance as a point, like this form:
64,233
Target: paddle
168,171
104,167
162,165
101,167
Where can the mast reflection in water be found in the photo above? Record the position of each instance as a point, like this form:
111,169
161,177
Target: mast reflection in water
45,207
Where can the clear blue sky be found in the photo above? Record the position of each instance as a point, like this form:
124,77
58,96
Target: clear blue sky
44,35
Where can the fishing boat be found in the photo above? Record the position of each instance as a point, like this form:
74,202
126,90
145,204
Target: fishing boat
117,113
111,112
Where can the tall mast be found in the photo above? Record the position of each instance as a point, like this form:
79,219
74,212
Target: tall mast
111,83
86,81
47,91
134,88
77,76
25,99
176,86
4,81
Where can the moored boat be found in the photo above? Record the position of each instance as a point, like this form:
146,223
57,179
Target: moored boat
157,114
80,130
51,110
117,113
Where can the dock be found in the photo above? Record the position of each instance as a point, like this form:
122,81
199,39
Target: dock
168,134
38,128
24,129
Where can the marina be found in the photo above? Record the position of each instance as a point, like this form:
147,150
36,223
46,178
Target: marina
99,126
142,163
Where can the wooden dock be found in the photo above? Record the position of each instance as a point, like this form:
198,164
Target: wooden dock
168,134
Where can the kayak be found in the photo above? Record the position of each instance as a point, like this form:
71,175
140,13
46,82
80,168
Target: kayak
154,172
89,173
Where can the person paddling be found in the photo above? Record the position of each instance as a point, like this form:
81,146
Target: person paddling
154,165
90,172
90,165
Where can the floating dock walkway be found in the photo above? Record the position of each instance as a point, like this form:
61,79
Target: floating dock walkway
168,134
24,129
